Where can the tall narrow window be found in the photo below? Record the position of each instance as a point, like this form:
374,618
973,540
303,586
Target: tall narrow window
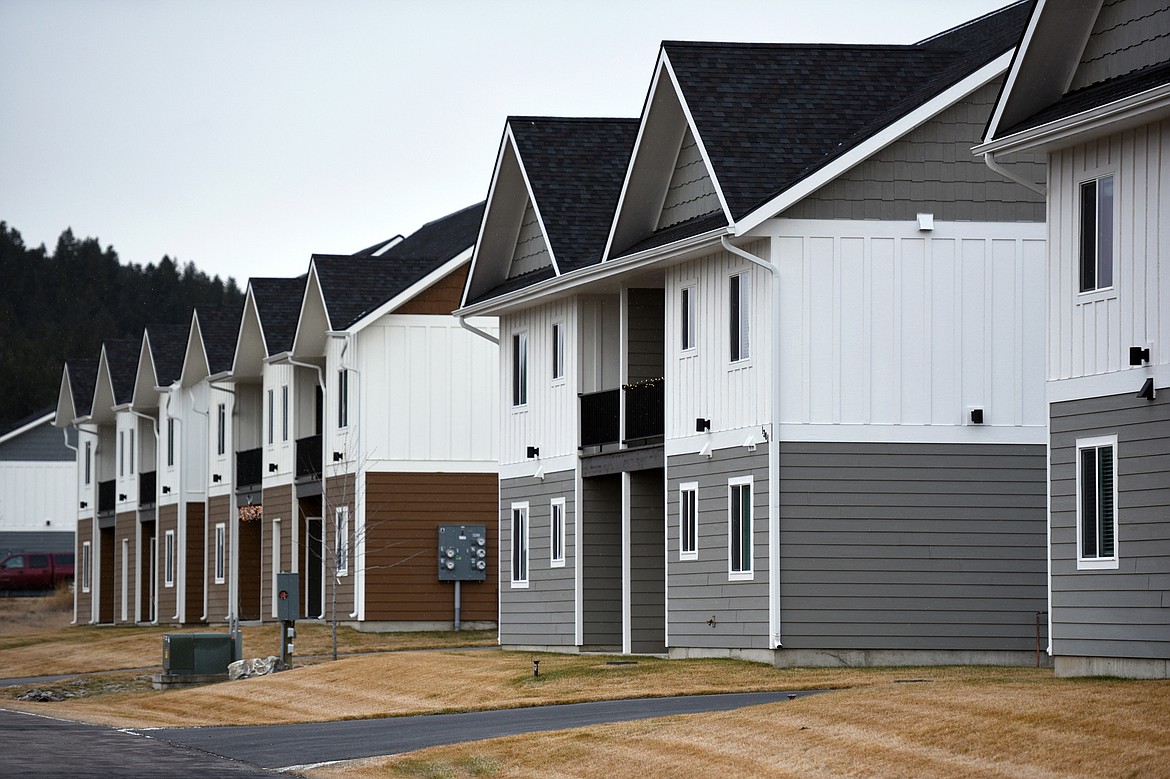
220,552
519,545
520,369
170,442
1097,502
739,312
341,528
688,520
121,452
169,559
86,566
343,398
739,530
687,319
284,413
558,350
221,429
88,462
557,533
271,416
132,441
1097,234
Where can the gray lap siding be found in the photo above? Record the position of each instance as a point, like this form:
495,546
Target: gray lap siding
911,546
544,613
1122,612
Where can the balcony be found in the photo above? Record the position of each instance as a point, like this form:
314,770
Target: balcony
601,414
644,410
106,495
309,457
248,470
147,488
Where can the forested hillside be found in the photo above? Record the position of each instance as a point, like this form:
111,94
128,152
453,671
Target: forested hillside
61,304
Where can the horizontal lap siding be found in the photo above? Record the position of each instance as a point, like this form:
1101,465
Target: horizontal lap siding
1123,612
278,504
647,562
601,568
125,525
403,514
705,608
219,510
911,546
544,614
193,562
84,599
250,543
167,606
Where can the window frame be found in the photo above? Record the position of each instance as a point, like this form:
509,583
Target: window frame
556,530
342,398
221,429
284,413
271,416
169,558
341,540
690,488
88,463
1097,561
1098,241
86,566
132,439
519,575
558,352
121,453
736,527
688,321
170,442
519,370
739,287
220,552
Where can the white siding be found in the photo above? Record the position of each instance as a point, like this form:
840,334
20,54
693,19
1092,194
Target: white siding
126,479
220,464
1090,333
280,452
86,493
549,421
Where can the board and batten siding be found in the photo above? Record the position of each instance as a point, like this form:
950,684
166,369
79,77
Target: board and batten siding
884,325
39,496
912,547
1123,612
1090,333
706,609
549,420
544,613
703,382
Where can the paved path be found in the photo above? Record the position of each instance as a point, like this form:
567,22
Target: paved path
291,746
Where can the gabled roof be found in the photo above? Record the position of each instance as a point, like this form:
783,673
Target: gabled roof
78,379
278,301
168,345
22,426
211,343
569,172
121,360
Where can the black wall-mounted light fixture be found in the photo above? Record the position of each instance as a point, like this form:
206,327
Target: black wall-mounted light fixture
533,451
977,416
1147,391
272,467
702,424
338,457
166,490
84,504
121,496
215,477
1138,355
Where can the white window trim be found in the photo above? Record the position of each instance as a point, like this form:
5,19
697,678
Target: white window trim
271,417
170,443
519,583
342,398
745,307
132,438
220,552
341,539
748,575
688,315
169,559
88,474
558,353
1097,293
221,429
284,413
121,453
86,565
518,385
555,520
1097,563
691,487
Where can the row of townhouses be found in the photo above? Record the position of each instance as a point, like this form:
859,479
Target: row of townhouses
836,354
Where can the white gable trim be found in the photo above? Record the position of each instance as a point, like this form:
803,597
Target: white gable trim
1014,71
483,220
404,297
66,413
872,145
535,206
311,283
29,426
193,372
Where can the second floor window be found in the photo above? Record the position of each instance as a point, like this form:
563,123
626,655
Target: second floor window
170,442
558,350
88,462
221,429
1097,234
520,369
121,452
271,416
133,445
343,398
284,413
739,314
687,319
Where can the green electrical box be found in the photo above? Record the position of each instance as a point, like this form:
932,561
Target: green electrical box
288,589
197,653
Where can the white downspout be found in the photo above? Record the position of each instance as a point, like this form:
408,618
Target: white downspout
359,508
473,329
994,164
773,445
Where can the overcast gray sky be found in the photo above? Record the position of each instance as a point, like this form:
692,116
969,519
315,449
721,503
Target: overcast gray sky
246,135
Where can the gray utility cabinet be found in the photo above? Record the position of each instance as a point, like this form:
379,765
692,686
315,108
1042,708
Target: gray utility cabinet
196,653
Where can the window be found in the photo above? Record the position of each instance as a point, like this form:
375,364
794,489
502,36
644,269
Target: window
121,452
341,528
1097,503
284,413
520,369
220,549
1097,234
271,416
519,545
14,563
558,350
343,398
221,429
169,559
687,319
170,442
557,533
86,566
88,462
130,437
688,521
739,312
739,527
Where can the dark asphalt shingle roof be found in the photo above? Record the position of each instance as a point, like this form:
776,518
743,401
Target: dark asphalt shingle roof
220,327
6,429
168,345
278,302
122,359
355,285
82,382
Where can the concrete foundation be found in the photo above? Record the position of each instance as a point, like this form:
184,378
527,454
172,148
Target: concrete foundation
1124,667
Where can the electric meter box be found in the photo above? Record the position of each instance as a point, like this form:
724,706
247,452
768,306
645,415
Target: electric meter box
288,597
462,553
197,653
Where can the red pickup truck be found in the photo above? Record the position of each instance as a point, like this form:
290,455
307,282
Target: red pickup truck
25,571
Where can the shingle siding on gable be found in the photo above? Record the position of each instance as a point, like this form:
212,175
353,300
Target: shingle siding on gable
932,170
531,250
691,192
1128,35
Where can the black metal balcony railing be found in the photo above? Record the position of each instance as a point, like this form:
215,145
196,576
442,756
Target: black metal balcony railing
106,494
309,457
248,471
147,488
644,409
600,417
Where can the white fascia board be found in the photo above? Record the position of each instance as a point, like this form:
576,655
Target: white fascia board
634,152
1014,69
279,357
1129,110
404,297
560,285
872,145
249,304
535,207
29,426
311,282
195,338
144,354
506,140
66,411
